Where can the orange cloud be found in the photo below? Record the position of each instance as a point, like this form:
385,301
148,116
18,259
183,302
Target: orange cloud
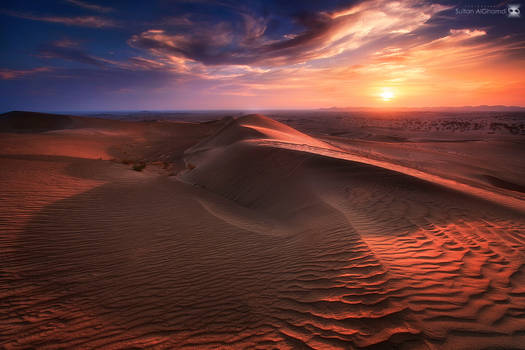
458,69
13,73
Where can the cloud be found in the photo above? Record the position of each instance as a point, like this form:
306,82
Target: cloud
469,64
458,48
323,35
469,68
92,7
68,50
80,21
8,74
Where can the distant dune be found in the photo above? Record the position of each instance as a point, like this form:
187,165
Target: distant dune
247,233
32,121
481,108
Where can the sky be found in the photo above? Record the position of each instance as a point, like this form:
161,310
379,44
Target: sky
88,55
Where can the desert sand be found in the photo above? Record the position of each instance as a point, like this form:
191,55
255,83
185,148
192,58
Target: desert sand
248,233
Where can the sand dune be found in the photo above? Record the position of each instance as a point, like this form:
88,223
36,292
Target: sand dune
34,122
268,238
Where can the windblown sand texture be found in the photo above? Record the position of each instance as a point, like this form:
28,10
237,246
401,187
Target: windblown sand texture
244,233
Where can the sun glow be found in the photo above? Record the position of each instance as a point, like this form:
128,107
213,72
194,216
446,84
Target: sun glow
387,94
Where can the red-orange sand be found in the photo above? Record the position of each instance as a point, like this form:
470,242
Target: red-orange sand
244,233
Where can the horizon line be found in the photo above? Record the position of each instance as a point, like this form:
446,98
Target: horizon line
466,107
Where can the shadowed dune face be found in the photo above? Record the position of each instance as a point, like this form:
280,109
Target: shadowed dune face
258,246
504,184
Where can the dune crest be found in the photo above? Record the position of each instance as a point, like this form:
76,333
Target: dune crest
271,239
263,131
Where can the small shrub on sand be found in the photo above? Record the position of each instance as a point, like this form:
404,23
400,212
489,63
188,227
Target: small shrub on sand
139,166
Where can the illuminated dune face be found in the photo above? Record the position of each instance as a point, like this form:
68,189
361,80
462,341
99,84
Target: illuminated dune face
424,257
268,241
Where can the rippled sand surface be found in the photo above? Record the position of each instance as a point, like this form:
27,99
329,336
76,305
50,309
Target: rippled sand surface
265,238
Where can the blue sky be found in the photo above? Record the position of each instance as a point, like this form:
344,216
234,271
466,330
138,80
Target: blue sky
164,54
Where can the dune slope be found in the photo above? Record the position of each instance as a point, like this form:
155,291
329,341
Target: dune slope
269,238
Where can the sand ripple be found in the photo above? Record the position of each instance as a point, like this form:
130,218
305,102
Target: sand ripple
258,247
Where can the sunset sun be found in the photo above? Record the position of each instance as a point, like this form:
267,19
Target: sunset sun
387,94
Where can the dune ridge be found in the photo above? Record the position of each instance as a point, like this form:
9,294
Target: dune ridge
284,137
269,238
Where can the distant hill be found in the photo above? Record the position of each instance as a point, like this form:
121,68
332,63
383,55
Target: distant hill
483,108
33,121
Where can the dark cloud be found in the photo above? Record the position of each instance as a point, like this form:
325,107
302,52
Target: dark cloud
224,43
80,21
68,50
234,32
90,6
248,39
